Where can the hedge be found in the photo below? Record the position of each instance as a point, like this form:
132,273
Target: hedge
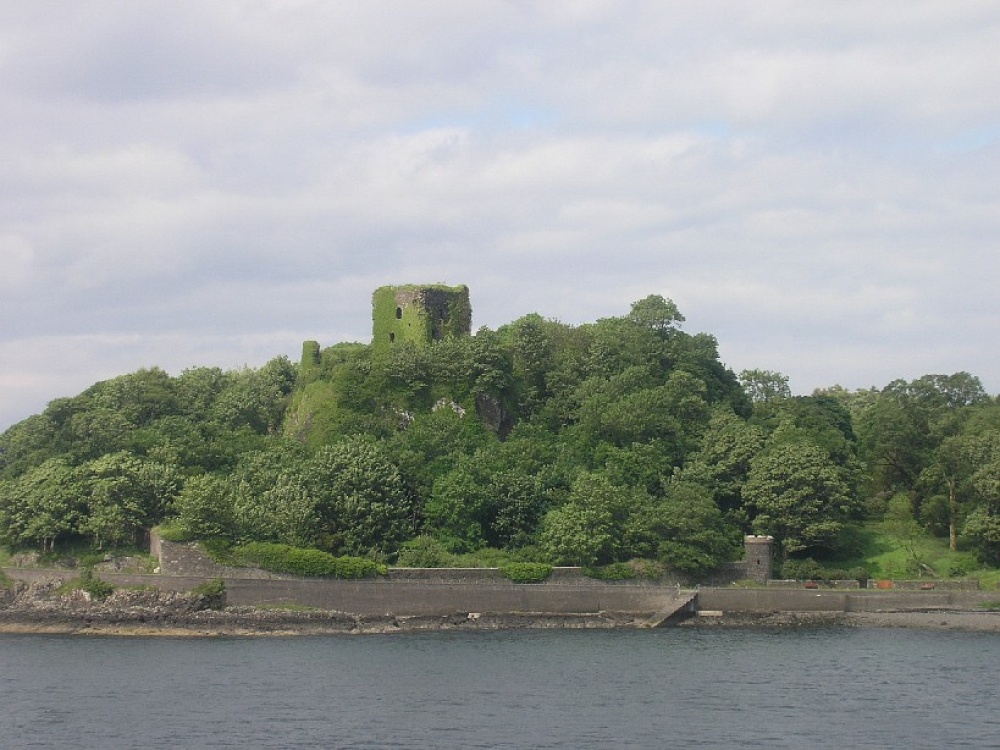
313,563
526,572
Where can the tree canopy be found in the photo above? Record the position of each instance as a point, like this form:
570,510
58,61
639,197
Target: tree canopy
598,443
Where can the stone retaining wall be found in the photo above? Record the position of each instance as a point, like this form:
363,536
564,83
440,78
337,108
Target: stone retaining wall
408,597
797,584
971,584
189,559
412,596
804,600
429,598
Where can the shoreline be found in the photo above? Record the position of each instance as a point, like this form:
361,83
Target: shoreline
249,622
253,623
45,606
964,620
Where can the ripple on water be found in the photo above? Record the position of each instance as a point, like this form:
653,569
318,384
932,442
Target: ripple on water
831,688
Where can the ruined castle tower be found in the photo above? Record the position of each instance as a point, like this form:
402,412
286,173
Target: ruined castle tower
420,314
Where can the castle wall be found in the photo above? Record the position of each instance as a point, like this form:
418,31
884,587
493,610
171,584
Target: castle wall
419,314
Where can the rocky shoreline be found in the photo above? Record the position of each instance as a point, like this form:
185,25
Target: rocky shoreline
983,621
44,607
39,607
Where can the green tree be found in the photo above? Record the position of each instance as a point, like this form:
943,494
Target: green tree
270,494
204,508
497,496
125,496
617,344
590,527
798,495
657,314
902,431
256,398
364,500
138,398
632,408
983,523
532,341
458,509
27,444
722,462
433,442
684,530
42,505
949,471
576,534
765,386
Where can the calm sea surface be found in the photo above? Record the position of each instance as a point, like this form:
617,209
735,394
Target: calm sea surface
835,688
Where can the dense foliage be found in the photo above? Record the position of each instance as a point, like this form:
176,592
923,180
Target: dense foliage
526,572
283,558
588,445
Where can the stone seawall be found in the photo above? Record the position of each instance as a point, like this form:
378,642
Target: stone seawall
413,591
806,600
155,603
430,598
413,595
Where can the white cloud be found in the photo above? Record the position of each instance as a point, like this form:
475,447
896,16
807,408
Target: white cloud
815,185
16,259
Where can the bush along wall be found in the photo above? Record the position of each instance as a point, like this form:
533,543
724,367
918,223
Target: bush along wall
312,563
526,572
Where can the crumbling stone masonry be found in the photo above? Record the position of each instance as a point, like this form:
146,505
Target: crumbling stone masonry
420,314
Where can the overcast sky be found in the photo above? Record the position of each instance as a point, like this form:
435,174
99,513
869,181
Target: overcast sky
211,183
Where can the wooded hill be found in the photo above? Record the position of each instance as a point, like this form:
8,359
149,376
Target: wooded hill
617,440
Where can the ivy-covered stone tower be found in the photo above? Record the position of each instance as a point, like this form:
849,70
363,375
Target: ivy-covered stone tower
420,313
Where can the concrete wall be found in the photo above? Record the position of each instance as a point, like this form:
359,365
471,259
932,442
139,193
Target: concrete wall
971,584
435,594
429,598
726,573
410,596
188,559
407,591
811,600
850,583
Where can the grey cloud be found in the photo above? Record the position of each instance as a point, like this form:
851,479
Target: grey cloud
122,52
192,184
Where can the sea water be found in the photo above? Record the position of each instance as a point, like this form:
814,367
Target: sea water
672,688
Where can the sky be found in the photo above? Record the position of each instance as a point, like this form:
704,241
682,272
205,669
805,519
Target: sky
192,184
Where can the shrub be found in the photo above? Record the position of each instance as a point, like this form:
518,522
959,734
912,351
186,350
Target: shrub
962,564
526,572
171,531
215,587
423,552
5,581
651,570
213,591
90,559
618,571
810,570
88,582
313,563
220,550
802,570
488,557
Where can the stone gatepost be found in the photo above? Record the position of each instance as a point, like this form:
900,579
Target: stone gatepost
759,557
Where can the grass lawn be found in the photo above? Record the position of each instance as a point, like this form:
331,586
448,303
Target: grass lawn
892,552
